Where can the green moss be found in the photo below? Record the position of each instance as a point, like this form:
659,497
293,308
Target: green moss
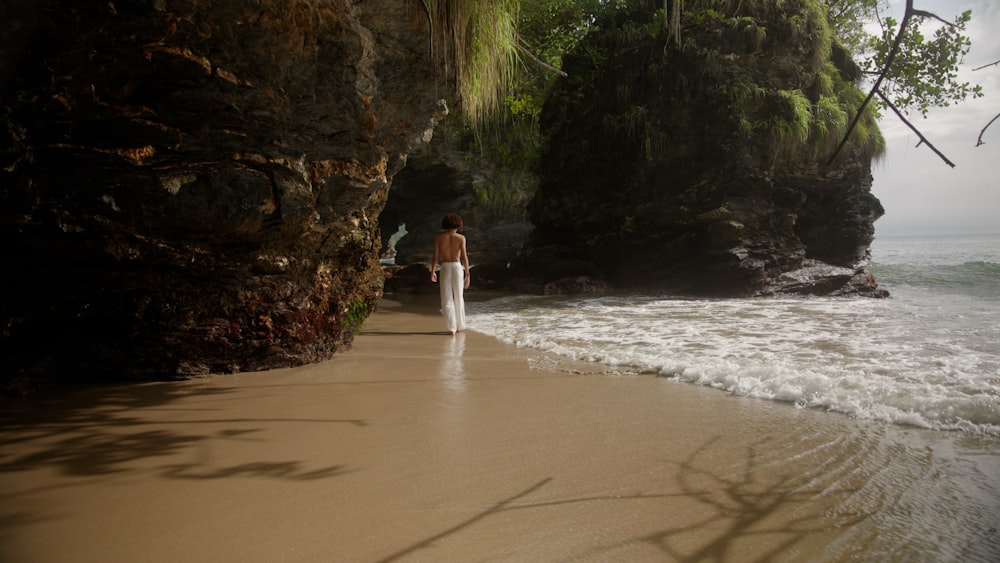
824,86
634,127
354,315
744,93
829,118
866,135
813,117
820,33
756,34
789,127
629,36
504,193
624,93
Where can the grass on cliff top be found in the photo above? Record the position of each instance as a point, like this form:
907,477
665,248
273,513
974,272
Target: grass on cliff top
814,116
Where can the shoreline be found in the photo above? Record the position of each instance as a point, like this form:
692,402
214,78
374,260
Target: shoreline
419,446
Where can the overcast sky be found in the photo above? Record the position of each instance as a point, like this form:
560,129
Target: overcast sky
921,194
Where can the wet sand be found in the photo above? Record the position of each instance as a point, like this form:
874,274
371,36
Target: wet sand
417,446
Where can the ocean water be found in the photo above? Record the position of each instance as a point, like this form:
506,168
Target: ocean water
927,357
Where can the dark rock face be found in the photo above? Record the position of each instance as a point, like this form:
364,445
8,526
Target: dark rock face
445,176
193,186
667,167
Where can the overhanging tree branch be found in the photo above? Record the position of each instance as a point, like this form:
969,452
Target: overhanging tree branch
522,47
924,14
923,140
994,63
980,140
910,13
878,82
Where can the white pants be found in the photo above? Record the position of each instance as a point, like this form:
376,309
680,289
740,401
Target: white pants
452,282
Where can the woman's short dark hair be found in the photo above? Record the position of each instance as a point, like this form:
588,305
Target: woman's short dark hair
451,221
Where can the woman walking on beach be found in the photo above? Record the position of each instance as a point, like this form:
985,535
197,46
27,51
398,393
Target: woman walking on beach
449,250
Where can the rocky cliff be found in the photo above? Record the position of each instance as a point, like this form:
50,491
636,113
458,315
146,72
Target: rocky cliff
698,162
194,186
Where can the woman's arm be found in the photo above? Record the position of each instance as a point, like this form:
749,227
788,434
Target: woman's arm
434,260
465,263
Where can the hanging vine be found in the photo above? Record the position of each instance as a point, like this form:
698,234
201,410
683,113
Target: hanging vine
476,43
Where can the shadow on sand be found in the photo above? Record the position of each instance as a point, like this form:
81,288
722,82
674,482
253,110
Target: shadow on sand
750,504
96,431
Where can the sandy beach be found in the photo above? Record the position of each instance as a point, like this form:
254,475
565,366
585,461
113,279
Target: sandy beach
417,446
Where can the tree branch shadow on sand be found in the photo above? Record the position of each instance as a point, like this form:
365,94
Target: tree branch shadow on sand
290,470
732,508
740,507
96,432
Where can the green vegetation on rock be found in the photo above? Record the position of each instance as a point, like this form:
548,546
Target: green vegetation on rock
355,314
508,91
480,38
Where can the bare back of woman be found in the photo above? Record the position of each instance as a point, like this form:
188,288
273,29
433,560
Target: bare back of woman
450,252
449,246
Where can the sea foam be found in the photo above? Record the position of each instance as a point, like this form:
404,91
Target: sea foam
870,359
